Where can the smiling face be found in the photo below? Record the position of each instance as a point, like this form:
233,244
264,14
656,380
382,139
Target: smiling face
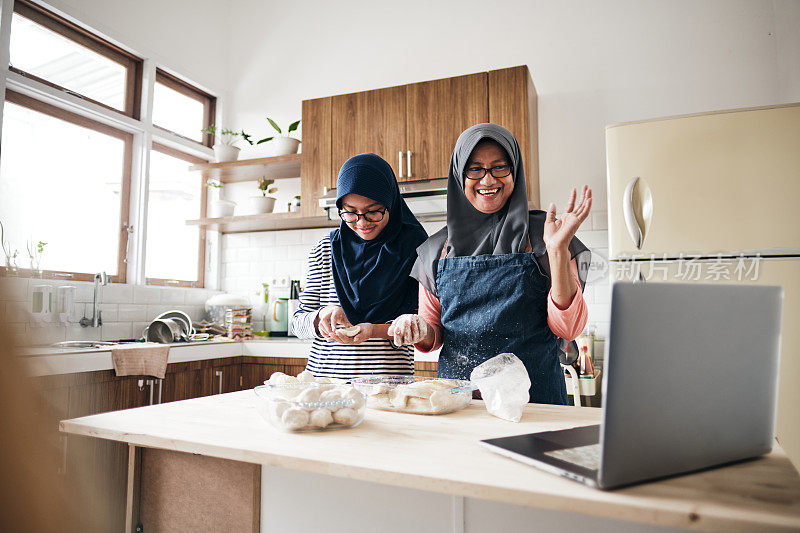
355,203
488,194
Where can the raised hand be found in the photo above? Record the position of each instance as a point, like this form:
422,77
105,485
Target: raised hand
559,232
328,318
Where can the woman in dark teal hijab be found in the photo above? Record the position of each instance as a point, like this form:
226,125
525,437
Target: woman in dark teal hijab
371,272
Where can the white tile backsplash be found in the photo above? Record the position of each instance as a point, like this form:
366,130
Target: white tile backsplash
126,309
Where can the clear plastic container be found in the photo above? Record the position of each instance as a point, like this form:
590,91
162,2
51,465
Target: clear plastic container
310,406
417,395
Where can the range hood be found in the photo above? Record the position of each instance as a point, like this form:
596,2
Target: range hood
427,199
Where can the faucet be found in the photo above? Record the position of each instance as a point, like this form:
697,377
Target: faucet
101,278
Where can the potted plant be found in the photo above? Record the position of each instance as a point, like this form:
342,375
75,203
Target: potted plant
11,257
219,207
283,145
225,148
35,252
263,203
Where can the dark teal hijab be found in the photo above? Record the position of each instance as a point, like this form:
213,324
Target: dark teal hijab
371,277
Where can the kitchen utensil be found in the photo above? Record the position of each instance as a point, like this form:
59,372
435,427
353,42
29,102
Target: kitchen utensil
439,397
279,322
183,319
163,330
304,406
293,304
217,305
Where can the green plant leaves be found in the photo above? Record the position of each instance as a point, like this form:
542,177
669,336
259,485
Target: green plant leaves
293,126
265,140
274,125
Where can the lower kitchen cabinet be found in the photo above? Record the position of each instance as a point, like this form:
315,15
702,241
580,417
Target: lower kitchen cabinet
425,369
182,381
227,375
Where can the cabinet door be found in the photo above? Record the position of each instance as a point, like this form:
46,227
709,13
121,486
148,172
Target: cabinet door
436,114
513,105
369,121
185,384
315,168
254,374
226,378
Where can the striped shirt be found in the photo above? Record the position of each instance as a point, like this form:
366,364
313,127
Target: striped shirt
331,359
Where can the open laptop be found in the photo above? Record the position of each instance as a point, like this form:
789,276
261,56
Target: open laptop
690,382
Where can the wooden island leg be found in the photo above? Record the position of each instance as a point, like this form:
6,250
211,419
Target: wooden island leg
133,488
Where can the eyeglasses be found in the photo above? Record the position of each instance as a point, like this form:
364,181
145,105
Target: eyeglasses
477,173
369,216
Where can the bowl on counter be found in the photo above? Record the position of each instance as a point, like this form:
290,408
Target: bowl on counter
305,406
417,395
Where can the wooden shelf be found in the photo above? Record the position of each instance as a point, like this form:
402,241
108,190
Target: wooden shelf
280,167
264,222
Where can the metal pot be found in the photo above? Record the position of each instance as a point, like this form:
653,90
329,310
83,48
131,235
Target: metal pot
163,330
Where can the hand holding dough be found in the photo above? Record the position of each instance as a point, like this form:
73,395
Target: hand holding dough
408,329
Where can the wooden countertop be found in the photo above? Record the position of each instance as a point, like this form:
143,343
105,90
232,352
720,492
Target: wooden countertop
442,454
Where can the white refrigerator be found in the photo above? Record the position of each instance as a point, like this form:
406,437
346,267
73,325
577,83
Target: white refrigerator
714,198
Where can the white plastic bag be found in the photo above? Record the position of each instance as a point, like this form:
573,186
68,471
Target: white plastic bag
504,385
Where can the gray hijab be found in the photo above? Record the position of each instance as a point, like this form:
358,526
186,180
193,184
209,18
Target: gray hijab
470,232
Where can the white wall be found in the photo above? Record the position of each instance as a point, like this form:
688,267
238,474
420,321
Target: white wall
188,37
593,63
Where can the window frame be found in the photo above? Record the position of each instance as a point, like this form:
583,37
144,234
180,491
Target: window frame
125,191
83,37
209,103
201,251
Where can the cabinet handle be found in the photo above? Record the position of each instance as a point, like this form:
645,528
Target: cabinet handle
400,164
218,373
150,384
408,163
160,386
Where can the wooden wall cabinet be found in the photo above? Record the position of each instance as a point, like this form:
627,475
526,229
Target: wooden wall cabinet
416,125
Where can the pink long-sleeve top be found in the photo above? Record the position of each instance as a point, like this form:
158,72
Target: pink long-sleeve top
565,323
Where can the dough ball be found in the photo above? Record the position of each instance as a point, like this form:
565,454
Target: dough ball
310,394
330,395
398,397
277,408
280,378
294,418
379,401
443,401
345,416
321,418
418,405
323,380
356,396
352,331
306,377
381,388
326,387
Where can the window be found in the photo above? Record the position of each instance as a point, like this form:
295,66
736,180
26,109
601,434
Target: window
65,180
59,53
182,109
175,251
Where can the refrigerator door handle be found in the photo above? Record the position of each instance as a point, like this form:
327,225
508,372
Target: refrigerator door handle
630,218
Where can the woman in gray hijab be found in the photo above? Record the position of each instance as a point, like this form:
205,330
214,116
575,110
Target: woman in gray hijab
499,278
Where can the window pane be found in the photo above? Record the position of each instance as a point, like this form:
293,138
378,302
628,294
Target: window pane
172,246
177,112
60,183
51,56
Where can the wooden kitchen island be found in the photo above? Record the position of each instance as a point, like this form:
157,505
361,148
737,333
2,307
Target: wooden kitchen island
214,464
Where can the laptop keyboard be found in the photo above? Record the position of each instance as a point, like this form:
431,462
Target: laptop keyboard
584,456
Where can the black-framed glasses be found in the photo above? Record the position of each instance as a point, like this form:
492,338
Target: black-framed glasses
477,173
369,216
